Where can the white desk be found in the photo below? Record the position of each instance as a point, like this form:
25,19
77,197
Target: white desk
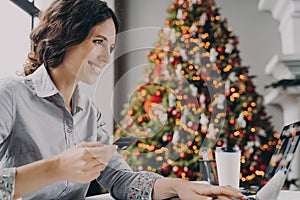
100,197
284,195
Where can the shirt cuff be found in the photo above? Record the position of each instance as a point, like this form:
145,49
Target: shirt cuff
142,186
7,183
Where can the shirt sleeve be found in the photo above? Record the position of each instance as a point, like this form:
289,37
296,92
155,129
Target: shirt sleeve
6,109
7,183
119,179
7,175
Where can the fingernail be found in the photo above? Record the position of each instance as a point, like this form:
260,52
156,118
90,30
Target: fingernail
209,198
239,193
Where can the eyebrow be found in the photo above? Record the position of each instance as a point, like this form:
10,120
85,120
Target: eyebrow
105,38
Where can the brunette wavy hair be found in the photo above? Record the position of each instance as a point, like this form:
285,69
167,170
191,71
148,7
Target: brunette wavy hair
64,24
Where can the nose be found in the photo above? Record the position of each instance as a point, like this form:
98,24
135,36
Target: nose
104,55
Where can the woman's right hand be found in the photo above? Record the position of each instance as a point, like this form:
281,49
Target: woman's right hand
83,162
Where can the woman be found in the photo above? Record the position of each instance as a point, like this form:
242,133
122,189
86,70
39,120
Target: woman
52,141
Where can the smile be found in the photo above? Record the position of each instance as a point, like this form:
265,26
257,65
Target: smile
95,67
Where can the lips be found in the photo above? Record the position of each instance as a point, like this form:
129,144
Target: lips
95,67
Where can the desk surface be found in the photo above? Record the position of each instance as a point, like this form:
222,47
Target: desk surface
284,195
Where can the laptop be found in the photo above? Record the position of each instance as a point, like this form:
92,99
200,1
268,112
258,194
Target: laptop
279,164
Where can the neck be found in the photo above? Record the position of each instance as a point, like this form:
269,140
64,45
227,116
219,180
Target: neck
65,83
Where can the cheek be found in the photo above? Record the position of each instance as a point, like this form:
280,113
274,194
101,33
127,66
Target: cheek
80,60
94,53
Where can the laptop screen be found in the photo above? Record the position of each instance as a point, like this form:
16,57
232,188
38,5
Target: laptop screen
284,152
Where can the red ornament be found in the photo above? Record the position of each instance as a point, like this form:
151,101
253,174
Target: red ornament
150,100
244,171
262,167
139,88
147,106
178,115
156,99
183,155
175,62
220,49
179,172
140,119
195,127
190,173
157,70
251,137
131,112
165,169
220,143
249,89
264,182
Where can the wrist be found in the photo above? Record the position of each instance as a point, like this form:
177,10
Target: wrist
53,168
35,175
166,188
176,184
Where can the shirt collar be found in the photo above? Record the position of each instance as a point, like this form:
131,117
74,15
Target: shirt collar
78,101
45,87
42,83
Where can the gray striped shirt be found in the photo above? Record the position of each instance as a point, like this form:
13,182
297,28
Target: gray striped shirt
35,124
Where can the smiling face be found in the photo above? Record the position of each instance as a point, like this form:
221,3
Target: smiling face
85,61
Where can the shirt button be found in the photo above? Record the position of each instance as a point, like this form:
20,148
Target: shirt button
69,130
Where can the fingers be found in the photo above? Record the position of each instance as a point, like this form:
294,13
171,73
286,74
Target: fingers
97,149
90,144
101,154
223,198
222,192
196,197
94,156
228,190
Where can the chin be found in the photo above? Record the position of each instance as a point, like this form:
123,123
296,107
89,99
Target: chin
89,81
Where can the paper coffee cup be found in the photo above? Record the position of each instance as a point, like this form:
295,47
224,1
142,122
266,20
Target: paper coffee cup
228,161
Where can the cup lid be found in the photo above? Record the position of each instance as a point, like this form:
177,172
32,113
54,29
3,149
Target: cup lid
228,149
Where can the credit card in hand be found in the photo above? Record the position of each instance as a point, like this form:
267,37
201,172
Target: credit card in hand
124,142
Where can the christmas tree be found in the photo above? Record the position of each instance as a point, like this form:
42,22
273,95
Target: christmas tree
195,96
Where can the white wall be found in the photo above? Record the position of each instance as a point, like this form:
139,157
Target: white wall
14,38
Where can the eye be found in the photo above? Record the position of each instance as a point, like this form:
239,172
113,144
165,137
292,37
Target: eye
98,41
112,47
